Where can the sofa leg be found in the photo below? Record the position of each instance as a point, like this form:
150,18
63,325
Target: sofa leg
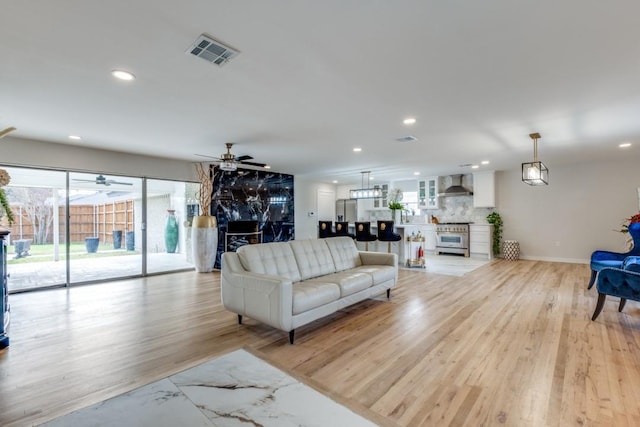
623,301
599,305
291,334
593,279
239,319
388,293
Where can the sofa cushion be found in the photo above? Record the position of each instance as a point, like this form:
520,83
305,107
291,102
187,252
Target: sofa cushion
273,258
349,281
308,295
379,273
313,257
344,252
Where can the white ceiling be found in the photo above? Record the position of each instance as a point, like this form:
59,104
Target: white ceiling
316,78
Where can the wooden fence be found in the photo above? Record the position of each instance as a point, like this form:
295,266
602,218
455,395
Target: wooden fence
84,221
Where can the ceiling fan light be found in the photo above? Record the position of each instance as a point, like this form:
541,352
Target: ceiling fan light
228,166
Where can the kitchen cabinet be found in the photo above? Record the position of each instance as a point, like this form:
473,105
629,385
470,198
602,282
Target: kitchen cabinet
381,202
428,193
481,240
484,189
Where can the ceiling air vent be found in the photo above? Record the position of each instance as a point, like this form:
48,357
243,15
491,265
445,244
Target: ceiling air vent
212,51
408,138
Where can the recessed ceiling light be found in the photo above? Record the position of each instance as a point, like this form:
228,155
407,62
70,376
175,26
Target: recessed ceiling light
485,162
75,137
474,166
267,167
335,181
625,145
409,121
416,173
123,75
357,149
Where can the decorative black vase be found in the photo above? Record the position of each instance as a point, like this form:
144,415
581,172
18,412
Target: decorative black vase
171,232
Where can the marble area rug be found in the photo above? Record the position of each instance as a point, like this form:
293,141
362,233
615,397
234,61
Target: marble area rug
237,389
450,265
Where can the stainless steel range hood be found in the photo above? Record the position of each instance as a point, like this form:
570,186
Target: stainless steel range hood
456,188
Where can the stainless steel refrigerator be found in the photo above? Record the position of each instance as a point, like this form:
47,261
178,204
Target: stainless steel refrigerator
346,210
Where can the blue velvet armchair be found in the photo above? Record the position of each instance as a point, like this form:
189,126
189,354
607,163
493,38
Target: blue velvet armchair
618,282
604,259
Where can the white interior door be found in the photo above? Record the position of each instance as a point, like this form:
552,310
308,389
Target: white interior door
326,205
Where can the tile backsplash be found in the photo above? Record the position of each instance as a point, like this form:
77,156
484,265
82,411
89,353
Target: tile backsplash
452,209
459,209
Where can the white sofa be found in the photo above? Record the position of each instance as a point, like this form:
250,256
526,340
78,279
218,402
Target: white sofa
289,284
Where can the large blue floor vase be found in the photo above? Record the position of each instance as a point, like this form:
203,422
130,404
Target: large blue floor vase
171,233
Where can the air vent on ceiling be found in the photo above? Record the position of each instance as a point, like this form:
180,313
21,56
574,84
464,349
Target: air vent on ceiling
408,138
212,51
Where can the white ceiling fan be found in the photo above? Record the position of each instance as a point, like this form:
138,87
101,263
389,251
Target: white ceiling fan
229,161
101,180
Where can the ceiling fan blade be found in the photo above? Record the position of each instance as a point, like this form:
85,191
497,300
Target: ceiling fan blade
260,165
83,180
109,182
208,157
243,158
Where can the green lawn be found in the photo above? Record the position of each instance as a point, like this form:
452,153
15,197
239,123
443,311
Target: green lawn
40,253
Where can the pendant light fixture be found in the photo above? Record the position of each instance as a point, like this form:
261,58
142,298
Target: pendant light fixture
365,191
535,172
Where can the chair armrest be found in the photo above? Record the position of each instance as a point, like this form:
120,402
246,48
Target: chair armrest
619,283
378,258
263,297
631,263
607,256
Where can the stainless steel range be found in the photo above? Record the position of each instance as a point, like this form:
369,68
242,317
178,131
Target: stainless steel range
452,238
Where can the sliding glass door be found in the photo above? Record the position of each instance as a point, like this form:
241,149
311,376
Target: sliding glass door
105,214
36,252
118,227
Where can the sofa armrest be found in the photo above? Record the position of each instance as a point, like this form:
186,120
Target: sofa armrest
378,258
266,298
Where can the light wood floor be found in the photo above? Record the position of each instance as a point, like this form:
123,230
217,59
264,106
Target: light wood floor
511,343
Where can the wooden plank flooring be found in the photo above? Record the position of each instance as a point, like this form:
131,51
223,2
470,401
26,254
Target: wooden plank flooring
510,344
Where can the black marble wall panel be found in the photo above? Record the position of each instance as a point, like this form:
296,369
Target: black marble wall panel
252,195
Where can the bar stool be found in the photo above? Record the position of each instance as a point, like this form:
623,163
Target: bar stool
342,229
363,234
325,229
386,234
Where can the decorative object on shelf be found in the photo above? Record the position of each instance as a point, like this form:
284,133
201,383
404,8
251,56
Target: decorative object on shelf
171,232
204,228
495,219
365,191
5,209
535,172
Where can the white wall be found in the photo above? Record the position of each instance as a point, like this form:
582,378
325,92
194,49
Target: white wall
575,214
23,152
305,195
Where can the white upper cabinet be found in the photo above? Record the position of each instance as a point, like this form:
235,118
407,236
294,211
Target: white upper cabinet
484,189
428,193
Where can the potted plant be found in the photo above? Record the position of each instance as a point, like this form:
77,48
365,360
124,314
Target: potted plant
4,203
393,202
204,228
495,219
